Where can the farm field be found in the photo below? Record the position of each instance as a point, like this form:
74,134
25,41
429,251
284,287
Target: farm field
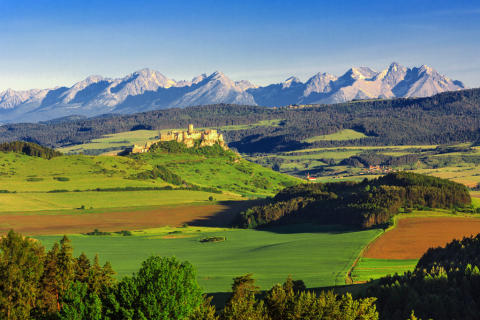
368,268
346,134
413,236
319,255
128,218
72,200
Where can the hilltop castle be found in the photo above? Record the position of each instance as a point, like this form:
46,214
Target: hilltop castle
209,137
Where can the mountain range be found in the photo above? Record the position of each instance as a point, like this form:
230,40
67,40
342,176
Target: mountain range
147,90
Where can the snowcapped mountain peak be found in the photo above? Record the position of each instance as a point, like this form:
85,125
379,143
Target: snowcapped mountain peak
292,81
146,89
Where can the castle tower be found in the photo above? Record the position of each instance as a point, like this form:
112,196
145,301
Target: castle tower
190,128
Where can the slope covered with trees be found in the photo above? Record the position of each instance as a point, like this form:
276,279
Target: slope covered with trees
363,204
450,117
29,149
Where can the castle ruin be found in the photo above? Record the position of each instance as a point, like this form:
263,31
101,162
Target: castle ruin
208,137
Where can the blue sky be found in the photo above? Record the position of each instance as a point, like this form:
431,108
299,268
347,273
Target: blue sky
57,43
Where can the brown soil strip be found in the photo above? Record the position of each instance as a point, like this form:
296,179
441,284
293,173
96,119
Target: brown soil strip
210,215
414,236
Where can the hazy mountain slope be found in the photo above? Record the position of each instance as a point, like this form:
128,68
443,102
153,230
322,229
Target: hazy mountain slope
147,90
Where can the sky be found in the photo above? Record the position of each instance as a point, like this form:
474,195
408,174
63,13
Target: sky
44,44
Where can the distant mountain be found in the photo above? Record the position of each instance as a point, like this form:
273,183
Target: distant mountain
147,90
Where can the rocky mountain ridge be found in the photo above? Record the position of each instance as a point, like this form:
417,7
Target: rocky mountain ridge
146,90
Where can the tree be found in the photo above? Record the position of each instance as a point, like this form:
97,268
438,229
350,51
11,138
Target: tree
78,304
242,303
82,268
163,288
21,266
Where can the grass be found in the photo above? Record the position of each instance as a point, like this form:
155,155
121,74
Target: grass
238,176
84,172
368,268
319,255
346,134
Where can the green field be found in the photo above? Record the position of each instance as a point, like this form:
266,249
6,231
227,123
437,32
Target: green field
12,202
20,173
368,268
347,134
319,255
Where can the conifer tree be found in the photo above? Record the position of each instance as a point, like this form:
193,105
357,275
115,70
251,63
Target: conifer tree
49,282
82,268
21,266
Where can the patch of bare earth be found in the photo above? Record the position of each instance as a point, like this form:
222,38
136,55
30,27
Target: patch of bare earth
414,236
209,215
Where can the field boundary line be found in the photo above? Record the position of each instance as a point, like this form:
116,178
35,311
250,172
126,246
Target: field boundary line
348,277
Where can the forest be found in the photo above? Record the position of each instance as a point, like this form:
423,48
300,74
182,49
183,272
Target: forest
29,149
446,118
360,204
444,285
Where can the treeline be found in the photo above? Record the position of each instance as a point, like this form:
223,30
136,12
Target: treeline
444,285
373,159
360,204
446,118
29,149
55,285
161,172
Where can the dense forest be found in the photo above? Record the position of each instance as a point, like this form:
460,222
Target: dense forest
444,285
360,204
446,118
29,149
58,286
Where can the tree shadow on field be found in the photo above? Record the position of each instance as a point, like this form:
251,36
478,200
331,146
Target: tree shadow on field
227,211
314,228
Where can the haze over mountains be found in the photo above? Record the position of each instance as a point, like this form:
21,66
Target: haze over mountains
147,90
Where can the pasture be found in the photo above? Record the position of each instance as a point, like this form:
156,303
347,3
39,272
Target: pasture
319,255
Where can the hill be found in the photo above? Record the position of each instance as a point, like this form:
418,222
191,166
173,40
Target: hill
363,205
446,118
147,90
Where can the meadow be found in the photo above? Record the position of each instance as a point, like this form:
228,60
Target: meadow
319,255
346,134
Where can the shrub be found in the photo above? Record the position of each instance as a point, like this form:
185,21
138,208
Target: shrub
213,239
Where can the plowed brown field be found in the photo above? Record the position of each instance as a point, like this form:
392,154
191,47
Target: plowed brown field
45,223
413,236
